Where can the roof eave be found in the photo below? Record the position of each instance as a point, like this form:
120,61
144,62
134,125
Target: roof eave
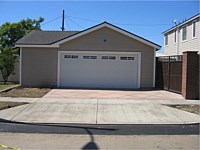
192,18
34,45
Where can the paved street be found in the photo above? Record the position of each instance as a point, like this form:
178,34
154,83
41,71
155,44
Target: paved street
78,142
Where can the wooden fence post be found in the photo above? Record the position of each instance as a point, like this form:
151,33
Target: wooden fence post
190,75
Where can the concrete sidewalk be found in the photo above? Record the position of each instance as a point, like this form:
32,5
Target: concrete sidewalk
100,111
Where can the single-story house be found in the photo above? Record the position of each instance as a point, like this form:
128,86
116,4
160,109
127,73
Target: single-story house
103,56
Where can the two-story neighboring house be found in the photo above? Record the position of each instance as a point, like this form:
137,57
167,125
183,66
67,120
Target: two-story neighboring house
184,36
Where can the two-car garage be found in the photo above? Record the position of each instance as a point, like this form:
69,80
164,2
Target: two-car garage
103,56
99,70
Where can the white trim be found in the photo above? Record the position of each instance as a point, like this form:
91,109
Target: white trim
98,52
154,68
58,69
53,46
20,67
139,69
111,27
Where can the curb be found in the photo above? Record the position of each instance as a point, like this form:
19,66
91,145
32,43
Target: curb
9,88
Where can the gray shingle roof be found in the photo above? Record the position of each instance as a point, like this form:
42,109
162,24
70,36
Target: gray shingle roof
44,37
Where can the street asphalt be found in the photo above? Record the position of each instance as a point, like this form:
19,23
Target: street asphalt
150,129
87,142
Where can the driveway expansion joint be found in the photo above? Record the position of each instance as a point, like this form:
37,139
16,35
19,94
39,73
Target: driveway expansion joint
97,111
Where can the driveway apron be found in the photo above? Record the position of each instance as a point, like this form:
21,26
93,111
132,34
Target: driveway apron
99,111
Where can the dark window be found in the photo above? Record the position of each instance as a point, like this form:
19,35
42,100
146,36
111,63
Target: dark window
175,36
71,56
93,57
104,57
112,57
123,58
75,56
184,33
130,58
89,57
166,39
86,57
194,29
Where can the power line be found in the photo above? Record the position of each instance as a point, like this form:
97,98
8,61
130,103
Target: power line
126,24
123,24
76,23
83,19
51,20
67,23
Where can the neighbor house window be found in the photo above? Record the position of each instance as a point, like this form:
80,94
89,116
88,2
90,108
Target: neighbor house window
184,33
194,29
175,36
166,39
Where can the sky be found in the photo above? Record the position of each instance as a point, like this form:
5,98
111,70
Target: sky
147,19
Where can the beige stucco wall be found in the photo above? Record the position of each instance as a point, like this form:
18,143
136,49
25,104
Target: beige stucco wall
39,67
191,44
41,63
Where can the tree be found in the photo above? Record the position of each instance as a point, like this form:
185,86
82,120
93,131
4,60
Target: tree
7,60
10,33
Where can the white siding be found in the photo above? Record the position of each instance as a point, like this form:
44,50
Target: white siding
191,44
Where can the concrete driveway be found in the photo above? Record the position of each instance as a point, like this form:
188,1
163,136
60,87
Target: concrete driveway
100,111
111,94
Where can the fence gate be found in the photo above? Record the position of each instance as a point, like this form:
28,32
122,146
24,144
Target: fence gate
169,73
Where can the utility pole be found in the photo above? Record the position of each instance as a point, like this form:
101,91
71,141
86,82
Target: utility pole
63,21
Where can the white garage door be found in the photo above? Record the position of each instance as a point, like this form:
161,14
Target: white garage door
96,70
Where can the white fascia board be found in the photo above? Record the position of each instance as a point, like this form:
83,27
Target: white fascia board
48,46
111,27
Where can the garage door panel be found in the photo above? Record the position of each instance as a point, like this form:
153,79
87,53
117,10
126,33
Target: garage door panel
98,73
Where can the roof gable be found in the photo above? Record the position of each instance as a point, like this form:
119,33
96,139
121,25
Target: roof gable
65,38
115,28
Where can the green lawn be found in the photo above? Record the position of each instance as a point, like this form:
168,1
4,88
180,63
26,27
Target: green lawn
7,85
